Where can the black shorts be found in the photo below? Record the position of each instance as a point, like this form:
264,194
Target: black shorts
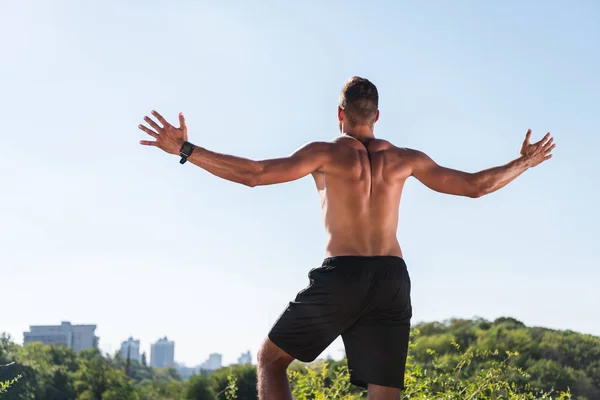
364,299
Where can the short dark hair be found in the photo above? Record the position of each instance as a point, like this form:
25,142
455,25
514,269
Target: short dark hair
360,101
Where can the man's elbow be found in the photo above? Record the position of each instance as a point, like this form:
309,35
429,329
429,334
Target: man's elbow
254,177
477,193
252,180
476,189
480,190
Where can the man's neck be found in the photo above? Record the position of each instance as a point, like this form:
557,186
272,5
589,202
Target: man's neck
361,133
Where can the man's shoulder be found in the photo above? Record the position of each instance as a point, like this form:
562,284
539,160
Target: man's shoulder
405,152
316,147
388,146
336,145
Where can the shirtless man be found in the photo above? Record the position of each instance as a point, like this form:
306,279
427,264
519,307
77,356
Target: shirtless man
362,289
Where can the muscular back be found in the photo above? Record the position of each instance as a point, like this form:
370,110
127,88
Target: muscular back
360,190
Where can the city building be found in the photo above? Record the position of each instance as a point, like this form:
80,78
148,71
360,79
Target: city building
162,353
245,358
185,371
214,362
76,337
131,348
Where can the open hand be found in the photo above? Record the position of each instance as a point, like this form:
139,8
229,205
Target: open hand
539,152
168,138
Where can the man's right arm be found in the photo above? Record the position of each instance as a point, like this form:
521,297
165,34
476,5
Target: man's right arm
451,181
304,161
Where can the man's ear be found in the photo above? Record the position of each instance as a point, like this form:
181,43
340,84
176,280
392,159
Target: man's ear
377,116
340,114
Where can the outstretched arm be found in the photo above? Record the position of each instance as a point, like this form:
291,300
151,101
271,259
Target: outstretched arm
306,160
309,158
450,181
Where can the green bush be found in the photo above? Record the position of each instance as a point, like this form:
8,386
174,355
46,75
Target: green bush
445,379
455,359
5,385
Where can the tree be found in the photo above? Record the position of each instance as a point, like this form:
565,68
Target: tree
198,388
245,376
95,379
19,388
550,359
161,390
455,359
167,374
53,366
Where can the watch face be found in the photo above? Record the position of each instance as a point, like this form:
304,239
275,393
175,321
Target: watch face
185,149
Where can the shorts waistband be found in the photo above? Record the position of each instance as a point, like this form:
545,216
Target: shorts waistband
364,261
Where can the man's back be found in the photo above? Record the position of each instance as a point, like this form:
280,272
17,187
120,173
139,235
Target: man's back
360,190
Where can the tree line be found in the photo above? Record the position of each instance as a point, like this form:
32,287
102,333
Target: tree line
454,359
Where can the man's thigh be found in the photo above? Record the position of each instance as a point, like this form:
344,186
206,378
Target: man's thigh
377,353
311,322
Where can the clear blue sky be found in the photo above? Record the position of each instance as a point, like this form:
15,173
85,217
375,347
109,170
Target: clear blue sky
95,228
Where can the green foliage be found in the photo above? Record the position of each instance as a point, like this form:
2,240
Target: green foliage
547,359
456,359
319,381
5,385
198,388
160,390
245,377
52,367
95,379
232,387
451,381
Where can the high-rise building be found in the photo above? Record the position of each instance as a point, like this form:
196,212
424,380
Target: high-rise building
162,353
245,358
214,362
131,348
76,337
185,371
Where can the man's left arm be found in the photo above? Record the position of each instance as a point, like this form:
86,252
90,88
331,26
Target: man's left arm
460,183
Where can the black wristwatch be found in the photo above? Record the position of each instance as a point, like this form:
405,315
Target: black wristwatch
186,150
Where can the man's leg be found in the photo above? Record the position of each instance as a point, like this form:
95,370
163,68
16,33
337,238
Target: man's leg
377,392
273,382
377,344
305,328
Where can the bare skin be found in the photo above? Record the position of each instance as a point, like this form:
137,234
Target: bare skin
359,179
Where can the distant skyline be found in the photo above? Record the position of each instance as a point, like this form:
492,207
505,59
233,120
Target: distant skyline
62,334
96,229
